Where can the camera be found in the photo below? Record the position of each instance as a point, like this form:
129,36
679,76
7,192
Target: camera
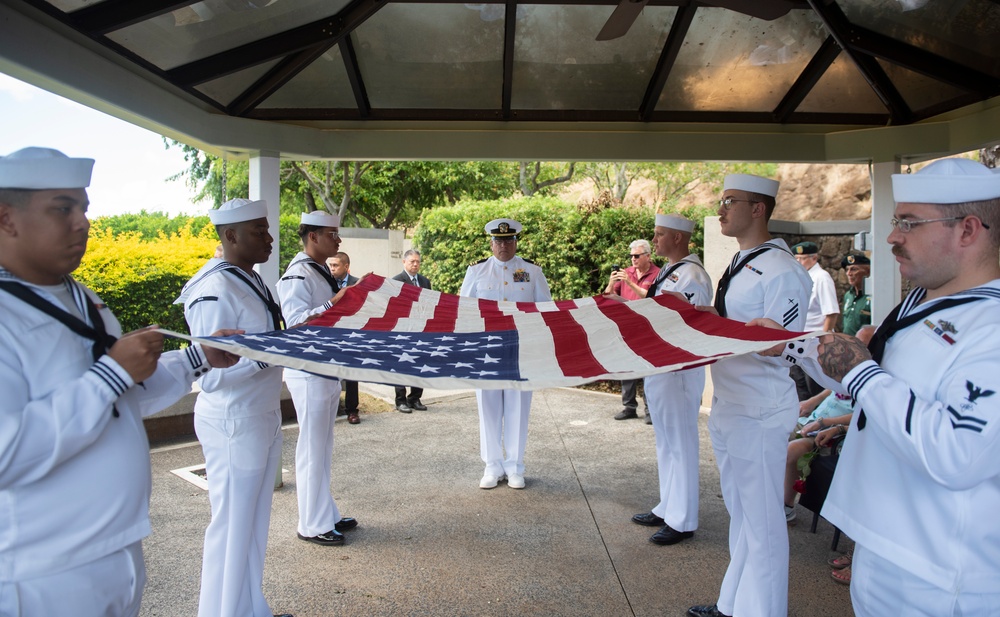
615,268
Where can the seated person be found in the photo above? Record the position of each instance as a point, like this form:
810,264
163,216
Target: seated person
823,419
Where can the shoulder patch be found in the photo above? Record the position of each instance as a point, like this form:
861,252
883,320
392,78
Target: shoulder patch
204,299
480,261
528,261
292,277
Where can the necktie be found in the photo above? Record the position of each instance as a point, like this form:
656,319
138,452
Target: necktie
414,279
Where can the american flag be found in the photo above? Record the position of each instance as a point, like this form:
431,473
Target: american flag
383,331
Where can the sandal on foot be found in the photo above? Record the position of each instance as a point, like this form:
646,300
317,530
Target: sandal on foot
840,562
842,576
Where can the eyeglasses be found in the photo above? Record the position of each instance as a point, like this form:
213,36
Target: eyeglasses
505,239
906,225
637,255
727,203
332,234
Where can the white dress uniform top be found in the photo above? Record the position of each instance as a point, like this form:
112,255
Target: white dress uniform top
238,422
74,481
823,300
674,402
74,478
503,414
919,484
754,409
305,292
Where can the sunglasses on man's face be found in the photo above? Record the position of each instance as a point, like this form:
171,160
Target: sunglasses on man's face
636,255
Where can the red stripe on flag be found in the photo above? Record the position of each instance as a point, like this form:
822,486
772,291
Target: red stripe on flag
710,324
493,318
573,354
398,307
640,336
349,304
445,315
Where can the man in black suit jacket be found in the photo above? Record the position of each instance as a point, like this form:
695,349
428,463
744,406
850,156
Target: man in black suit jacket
340,266
411,276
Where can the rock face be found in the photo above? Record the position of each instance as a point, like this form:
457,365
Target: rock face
809,192
814,192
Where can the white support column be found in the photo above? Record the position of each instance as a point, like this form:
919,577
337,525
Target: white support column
885,279
264,184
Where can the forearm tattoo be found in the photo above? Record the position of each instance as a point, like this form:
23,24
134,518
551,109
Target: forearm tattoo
840,355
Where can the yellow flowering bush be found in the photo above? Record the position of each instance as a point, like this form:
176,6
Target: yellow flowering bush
139,279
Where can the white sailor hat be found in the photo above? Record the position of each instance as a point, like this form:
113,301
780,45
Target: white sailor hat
320,219
948,181
751,184
237,211
44,168
503,228
674,221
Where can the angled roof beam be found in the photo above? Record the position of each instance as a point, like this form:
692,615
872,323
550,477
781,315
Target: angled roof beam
923,62
809,77
354,76
842,31
277,77
111,15
672,46
509,26
329,30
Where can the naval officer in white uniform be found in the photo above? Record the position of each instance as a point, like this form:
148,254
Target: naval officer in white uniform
74,460
503,414
237,414
675,398
306,290
918,482
754,406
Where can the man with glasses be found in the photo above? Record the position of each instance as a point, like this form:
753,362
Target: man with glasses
918,481
754,406
633,283
411,276
503,414
305,291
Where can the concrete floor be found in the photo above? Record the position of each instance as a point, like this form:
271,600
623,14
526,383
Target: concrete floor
430,542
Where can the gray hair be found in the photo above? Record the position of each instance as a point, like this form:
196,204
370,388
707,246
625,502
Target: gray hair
410,252
642,244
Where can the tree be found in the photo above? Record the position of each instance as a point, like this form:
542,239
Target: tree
529,178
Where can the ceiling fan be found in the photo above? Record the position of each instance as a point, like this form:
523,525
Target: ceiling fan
628,11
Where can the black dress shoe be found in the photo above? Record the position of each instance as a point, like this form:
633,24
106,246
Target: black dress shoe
705,611
648,519
345,524
330,538
667,535
626,414
403,407
417,405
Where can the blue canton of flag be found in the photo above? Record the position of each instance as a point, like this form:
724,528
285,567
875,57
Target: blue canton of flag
481,355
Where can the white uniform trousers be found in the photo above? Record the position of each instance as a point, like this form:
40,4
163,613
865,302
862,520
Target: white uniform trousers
111,585
316,400
674,402
503,424
241,459
750,444
880,587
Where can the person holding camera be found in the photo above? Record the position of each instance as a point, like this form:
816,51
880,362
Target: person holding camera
633,283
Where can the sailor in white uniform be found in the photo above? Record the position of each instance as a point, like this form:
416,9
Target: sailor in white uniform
675,398
237,414
754,407
918,481
503,414
74,460
305,291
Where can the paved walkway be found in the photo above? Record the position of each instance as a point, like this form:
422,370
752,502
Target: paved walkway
430,542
